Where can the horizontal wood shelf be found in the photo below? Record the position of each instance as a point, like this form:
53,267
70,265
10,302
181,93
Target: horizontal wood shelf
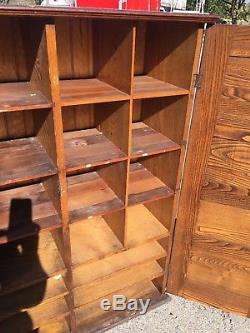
115,282
39,261
98,270
19,96
87,91
91,317
60,326
146,141
89,148
31,298
92,240
143,226
145,187
39,316
89,195
26,211
23,160
149,87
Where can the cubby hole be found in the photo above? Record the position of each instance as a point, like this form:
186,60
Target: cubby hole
163,59
27,147
22,43
97,192
158,125
90,52
153,177
95,134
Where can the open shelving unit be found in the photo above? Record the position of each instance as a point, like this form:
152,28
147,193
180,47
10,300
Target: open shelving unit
92,132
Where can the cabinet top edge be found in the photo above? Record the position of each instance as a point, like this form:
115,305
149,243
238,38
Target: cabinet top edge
38,11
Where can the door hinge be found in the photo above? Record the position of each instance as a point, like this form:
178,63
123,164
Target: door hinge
198,81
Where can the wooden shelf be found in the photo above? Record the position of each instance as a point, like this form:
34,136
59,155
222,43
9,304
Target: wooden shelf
93,318
86,91
29,261
23,160
143,226
89,148
25,211
37,316
89,195
98,270
92,240
148,87
119,280
31,298
55,327
144,187
146,141
21,96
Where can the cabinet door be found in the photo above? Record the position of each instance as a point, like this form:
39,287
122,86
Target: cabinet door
210,259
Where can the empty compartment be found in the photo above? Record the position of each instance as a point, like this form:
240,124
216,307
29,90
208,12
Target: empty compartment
149,222
27,147
95,134
97,192
161,69
90,54
21,79
29,261
97,238
25,211
158,125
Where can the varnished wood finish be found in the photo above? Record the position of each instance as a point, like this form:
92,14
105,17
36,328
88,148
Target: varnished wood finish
212,227
103,102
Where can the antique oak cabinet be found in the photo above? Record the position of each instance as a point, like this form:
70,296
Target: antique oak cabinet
124,164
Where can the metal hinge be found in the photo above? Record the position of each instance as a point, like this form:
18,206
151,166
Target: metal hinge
198,81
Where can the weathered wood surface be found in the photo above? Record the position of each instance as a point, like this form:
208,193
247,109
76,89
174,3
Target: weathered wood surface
213,230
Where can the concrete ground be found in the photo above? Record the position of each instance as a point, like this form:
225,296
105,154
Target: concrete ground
180,316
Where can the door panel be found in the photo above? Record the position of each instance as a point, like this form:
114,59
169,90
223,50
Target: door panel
210,258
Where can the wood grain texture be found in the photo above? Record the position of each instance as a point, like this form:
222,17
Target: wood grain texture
217,233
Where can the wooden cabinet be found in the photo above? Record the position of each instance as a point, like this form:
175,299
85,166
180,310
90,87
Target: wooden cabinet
124,164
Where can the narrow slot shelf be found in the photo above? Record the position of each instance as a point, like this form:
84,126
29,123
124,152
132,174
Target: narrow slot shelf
25,211
143,226
86,91
89,195
146,141
148,87
23,160
39,316
20,96
32,297
145,187
115,282
92,240
89,148
98,270
39,261
93,318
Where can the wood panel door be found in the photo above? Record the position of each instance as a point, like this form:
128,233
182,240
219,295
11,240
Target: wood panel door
210,259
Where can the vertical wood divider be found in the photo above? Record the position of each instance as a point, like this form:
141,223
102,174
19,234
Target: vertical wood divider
130,130
61,236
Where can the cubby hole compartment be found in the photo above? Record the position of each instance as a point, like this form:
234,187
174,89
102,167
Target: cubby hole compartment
21,80
27,147
164,69
95,134
153,177
97,238
93,318
158,125
97,192
29,261
90,54
27,210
